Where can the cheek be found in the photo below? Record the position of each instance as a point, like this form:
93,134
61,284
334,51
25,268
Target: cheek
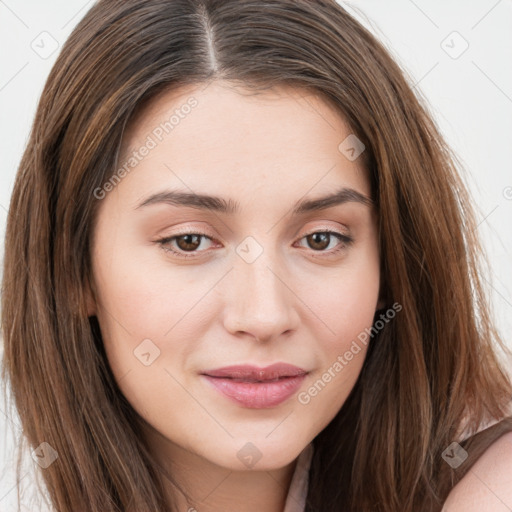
341,361
144,322
345,301
345,307
152,317
142,297
328,388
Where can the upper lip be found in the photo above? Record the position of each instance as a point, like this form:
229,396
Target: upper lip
250,372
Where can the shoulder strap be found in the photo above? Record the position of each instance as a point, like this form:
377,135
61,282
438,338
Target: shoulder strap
475,446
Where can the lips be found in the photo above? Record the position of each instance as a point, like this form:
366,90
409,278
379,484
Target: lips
248,373
256,388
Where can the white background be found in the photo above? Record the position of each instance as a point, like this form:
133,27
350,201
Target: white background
470,97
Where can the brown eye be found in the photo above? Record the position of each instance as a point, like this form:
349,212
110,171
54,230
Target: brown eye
187,245
319,241
188,242
322,241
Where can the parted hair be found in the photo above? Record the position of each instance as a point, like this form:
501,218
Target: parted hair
431,376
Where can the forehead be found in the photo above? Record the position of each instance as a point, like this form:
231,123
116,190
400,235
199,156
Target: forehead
227,135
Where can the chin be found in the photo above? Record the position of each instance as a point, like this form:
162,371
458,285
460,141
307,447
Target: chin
257,454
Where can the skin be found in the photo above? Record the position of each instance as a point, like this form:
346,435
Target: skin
296,303
488,484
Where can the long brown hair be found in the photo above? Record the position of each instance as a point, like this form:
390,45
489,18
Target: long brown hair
431,377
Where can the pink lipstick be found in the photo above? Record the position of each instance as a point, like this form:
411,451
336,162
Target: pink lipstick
254,387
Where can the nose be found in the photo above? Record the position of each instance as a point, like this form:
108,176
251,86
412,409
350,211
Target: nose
260,301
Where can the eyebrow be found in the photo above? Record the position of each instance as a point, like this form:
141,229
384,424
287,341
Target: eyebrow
228,206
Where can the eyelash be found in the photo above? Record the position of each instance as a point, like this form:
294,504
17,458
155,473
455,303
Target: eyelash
164,243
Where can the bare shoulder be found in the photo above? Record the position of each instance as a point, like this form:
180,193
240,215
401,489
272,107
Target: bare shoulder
488,484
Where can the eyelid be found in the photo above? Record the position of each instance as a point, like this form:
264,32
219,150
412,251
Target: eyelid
344,239
324,229
165,240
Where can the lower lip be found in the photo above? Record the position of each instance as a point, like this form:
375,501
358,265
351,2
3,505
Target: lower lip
257,395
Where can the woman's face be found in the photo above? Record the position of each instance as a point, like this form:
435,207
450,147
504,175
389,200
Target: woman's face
186,284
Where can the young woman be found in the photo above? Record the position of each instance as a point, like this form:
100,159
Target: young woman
241,273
